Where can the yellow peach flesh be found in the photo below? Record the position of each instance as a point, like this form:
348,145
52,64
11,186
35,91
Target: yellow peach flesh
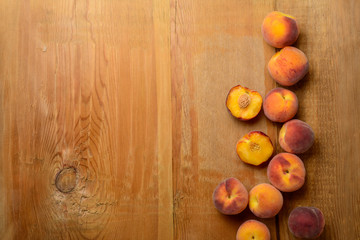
255,148
244,103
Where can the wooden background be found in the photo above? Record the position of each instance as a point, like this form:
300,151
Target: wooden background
131,94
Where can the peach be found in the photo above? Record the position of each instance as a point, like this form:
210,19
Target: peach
286,172
306,222
280,29
230,197
296,136
265,201
243,103
288,66
253,229
254,148
280,105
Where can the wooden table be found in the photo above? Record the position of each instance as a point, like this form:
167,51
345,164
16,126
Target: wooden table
113,122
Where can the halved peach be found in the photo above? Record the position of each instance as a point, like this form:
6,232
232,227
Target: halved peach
254,148
243,103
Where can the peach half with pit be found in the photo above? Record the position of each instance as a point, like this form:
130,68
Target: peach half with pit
280,105
265,201
253,230
296,136
254,148
306,222
288,66
280,29
243,103
286,172
230,197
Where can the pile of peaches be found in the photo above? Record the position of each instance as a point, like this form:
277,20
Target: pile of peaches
285,171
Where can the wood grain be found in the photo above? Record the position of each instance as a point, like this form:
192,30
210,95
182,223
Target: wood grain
113,122
214,47
86,84
326,100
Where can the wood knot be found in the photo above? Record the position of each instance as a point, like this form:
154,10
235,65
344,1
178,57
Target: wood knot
66,179
244,100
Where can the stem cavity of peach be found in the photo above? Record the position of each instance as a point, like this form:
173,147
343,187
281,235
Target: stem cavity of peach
244,100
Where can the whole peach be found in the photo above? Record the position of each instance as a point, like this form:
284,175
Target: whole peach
288,66
306,222
230,197
265,201
280,105
296,136
280,29
286,172
253,229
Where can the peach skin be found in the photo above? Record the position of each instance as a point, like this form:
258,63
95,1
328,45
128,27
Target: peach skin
296,136
265,201
280,105
253,230
280,29
286,172
243,103
306,222
288,66
254,148
230,197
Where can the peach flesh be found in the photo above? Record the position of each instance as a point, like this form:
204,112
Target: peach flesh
243,103
254,148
